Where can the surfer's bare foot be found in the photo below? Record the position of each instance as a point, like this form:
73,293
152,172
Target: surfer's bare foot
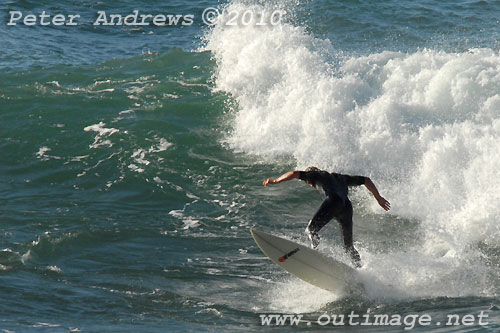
313,237
355,257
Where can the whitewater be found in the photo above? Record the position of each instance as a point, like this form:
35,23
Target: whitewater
425,125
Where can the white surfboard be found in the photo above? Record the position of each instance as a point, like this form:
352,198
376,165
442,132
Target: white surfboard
307,264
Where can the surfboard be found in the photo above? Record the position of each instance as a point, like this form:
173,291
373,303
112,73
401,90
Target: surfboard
307,264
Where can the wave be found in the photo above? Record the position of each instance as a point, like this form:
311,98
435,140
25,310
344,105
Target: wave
424,125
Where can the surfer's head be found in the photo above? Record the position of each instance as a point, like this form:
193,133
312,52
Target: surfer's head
311,169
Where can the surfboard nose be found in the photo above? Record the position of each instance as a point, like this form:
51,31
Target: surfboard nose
255,233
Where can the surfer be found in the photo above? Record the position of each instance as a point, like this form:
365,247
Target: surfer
336,205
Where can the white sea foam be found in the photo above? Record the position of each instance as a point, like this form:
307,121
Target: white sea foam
296,296
189,221
42,154
425,126
162,145
101,132
42,151
140,155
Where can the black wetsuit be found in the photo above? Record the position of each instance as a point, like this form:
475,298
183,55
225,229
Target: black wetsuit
336,205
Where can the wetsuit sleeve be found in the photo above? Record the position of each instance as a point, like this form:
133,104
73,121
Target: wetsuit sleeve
354,180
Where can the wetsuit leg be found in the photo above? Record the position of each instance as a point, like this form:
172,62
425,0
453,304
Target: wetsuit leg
345,220
330,207
341,210
326,212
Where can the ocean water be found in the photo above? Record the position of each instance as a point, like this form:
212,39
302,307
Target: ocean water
132,161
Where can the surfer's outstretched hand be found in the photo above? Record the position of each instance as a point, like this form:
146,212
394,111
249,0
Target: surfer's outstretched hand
386,205
283,178
269,181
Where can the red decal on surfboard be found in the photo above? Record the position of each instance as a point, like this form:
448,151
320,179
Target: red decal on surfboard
288,255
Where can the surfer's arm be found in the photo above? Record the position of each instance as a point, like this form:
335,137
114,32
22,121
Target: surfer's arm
381,200
283,178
